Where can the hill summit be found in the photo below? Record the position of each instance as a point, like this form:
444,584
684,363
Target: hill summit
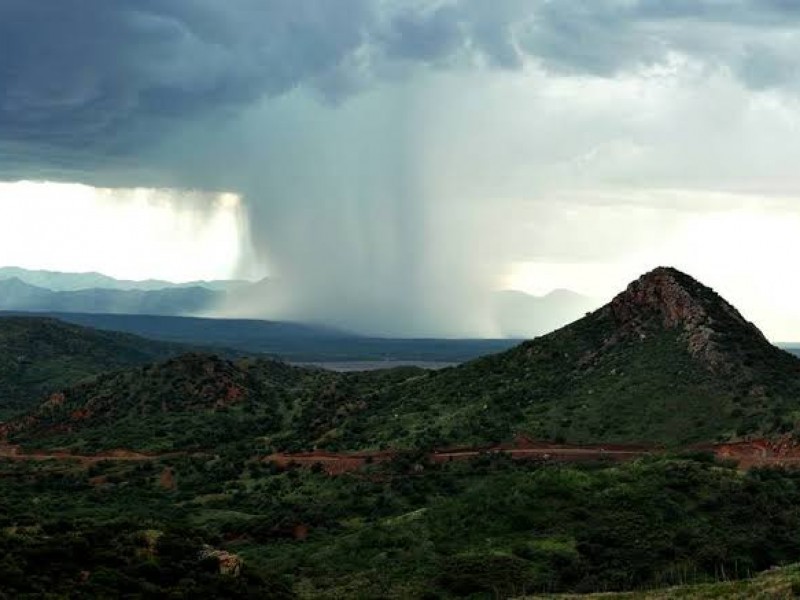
666,298
667,360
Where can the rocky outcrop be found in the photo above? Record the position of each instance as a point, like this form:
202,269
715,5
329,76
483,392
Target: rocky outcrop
229,564
665,298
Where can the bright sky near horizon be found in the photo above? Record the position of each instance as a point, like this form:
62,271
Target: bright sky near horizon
128,234
185,236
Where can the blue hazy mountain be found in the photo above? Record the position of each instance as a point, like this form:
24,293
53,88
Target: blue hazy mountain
521,315
17,295
66,282
517,314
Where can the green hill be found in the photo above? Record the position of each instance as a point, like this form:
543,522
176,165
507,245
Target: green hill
192,401
667,361
40,355
197,401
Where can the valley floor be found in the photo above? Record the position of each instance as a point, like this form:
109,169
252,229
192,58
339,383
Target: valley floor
461,523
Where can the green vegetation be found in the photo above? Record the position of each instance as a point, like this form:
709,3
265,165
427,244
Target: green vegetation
485,529
199,402
668,362
38,356
775,584
637,390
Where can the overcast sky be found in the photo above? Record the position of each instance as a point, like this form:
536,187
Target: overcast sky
397,161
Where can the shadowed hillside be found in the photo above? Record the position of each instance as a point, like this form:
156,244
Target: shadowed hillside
38,355
198,401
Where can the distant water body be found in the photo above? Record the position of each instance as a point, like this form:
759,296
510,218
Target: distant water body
374,365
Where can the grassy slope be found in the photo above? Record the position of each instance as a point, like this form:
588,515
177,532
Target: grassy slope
486,529
641,391
39,355
635,390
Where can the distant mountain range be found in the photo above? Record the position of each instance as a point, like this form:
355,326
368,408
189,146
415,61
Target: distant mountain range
69,282
15,294
517,314
521,315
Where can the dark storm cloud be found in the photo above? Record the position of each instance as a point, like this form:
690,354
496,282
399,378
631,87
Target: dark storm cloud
424,37
105,74
85,82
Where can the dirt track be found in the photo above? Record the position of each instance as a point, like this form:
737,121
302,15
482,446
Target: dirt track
754,453
15,453
337,463
747,455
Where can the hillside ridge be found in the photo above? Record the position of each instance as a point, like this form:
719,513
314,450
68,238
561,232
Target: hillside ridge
666,297
667,361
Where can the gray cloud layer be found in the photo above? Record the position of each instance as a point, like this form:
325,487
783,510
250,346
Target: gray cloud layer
106,76
98,77
352,186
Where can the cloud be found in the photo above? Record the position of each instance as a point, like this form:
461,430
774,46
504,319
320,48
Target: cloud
108,75
97,80
396,156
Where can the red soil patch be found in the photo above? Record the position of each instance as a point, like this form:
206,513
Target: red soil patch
300,532
233,394
80,414
54,400
782,451
167,479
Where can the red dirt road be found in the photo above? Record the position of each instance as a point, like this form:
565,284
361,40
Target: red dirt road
523,449
749,454
754,453
11,452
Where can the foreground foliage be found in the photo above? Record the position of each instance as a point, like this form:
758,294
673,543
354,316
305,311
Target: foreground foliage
667,361
490,528
775,584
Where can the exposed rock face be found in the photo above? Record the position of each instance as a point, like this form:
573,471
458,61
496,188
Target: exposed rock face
56,399
229,564
667,298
